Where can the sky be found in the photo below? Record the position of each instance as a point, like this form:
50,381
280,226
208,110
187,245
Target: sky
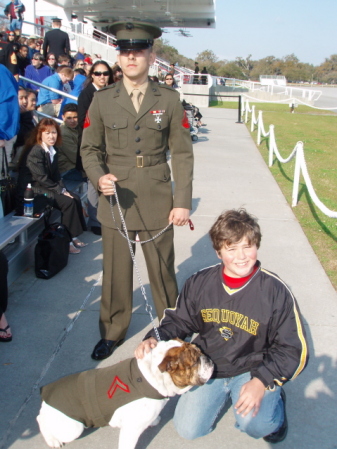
306,28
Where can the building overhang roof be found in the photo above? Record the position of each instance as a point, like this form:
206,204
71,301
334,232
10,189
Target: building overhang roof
164,13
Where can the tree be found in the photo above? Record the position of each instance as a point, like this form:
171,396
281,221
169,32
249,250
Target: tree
327,71
230,70
245,65
207,56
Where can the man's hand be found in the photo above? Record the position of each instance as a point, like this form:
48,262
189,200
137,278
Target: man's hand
105,184
144,347
251,395
179,216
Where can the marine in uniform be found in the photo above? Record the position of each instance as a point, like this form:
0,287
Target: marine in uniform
129,128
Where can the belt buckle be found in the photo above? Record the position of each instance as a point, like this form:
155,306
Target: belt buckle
140,162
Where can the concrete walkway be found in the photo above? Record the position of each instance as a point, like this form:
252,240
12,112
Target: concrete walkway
55,322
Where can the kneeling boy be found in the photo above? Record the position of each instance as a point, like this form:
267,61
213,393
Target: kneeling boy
248,322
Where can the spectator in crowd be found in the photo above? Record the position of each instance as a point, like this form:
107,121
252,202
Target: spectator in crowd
117,73
14,11
8,55
37,71
51,62
88,59
9,110
161,75
87,68
97,57
38,47
22,40
68,150
63,61
5,330
170,81
196,71
23,60
79,64
80,55
204,78
56,41
31,42
245,319
50,102
27,124
172,69
38,165
78,83
100,75
31,104
154,78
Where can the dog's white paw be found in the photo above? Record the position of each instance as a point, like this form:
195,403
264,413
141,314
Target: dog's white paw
48,437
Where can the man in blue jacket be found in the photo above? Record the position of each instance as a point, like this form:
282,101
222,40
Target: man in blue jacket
49,102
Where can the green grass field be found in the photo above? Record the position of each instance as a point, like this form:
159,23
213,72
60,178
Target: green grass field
317,129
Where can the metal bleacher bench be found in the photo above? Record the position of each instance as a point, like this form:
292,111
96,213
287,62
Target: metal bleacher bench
18,236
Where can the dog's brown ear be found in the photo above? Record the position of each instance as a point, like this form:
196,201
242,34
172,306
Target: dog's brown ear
168,364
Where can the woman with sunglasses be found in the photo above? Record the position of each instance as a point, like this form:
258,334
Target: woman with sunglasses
79,64
170,81
51,62
99,76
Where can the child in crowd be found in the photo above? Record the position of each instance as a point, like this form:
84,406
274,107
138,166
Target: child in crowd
248,322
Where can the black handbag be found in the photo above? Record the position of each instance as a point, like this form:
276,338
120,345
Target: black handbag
7,186
52,249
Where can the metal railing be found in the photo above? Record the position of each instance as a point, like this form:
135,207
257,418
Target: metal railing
52,89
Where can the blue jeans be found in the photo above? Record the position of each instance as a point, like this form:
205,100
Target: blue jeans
15,24
198,409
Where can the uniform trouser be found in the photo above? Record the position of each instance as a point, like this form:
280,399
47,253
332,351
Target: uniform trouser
116,301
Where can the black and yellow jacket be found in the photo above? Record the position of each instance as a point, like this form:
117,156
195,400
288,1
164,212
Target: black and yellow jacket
257,328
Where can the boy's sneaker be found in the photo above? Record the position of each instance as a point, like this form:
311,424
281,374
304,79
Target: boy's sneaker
280,435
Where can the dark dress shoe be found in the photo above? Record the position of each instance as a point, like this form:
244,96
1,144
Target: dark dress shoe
281,433
96,230
105,348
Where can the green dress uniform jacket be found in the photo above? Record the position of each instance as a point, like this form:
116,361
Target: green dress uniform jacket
133,146
92,397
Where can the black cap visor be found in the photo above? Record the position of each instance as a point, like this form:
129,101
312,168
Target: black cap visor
134,44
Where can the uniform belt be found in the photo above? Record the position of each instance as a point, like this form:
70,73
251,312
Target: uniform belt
137,161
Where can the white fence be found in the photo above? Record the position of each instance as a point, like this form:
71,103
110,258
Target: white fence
297,152
288,91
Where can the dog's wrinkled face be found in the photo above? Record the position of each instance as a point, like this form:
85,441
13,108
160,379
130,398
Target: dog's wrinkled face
187,365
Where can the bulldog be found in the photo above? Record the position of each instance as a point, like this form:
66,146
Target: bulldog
129,395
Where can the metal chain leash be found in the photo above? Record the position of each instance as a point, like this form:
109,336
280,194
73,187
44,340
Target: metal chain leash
148,307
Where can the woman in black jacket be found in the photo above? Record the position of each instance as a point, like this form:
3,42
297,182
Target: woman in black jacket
99,76
38,166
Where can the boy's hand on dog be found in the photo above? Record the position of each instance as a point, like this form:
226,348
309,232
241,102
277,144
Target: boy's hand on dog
251,396
144,347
